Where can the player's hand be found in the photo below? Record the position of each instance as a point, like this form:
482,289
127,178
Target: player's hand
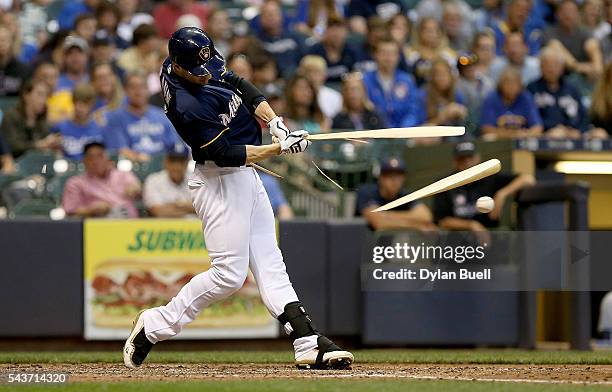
278,129
295,142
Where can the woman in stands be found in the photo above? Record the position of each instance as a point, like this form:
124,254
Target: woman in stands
109,92
445,106
303,111
509,111
24,126
428,43
357,110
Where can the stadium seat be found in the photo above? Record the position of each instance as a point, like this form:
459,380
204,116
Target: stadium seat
32,208
143,169
36,162
55,188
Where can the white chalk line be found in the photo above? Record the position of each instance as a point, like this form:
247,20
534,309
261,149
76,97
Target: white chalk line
448,378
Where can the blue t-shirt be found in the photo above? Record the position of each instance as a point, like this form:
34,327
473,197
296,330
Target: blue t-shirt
76,136
402,105
368,195
522,113
65,83
273,189
151,133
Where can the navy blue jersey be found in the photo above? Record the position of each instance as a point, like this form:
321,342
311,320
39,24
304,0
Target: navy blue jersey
209,114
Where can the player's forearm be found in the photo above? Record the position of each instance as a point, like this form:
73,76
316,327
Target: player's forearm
265,112
259,153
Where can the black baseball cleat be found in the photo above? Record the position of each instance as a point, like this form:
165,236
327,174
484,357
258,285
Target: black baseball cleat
327,355
137,346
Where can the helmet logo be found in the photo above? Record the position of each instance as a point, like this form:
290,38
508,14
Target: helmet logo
204,53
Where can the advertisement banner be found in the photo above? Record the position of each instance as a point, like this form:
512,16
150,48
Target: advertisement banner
132,265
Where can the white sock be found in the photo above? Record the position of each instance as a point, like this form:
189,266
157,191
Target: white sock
304,345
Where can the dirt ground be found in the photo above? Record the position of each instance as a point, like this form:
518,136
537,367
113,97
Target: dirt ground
103,372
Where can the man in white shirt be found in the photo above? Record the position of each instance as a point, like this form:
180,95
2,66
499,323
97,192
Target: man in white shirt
165,193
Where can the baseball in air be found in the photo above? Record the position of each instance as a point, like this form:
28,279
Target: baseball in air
485,204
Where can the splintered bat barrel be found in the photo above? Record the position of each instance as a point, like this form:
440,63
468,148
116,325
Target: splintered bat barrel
456,180
392,133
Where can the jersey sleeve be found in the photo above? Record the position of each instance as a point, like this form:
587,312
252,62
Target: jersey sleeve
247,91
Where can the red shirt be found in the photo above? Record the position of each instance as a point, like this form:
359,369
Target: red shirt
167,14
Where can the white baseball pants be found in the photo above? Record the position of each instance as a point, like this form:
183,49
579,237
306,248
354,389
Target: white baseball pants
239,230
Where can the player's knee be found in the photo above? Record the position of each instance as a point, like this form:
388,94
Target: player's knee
229,279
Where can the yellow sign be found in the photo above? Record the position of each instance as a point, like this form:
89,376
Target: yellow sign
132,265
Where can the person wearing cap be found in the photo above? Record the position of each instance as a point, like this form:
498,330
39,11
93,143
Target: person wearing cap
456,209
218,120
165,193
74,70
103,190
389,187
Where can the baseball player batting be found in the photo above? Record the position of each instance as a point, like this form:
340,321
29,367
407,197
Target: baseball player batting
214,112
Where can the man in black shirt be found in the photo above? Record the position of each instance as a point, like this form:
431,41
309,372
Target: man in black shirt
414,215
456,209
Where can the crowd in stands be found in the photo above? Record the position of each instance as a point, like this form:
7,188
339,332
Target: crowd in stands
86,71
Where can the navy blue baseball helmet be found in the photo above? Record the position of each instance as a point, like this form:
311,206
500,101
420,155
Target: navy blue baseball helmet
193,50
